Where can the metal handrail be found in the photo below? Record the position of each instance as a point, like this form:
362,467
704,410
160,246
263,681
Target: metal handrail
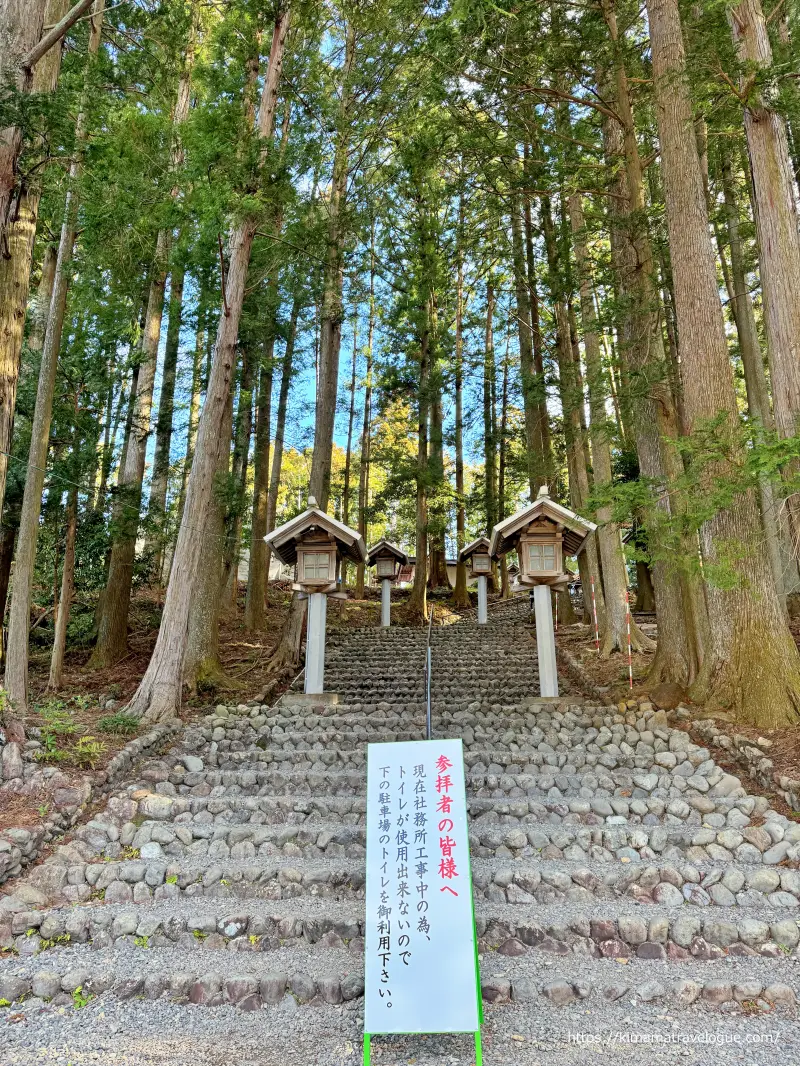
428,679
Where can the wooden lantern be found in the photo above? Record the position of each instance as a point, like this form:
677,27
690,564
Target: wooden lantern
541,535
313,541
387,559
477,556
316,562
540,549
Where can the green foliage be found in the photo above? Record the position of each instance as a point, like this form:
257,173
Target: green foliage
81,998
118,723
53,942
172,879
88,751
57,727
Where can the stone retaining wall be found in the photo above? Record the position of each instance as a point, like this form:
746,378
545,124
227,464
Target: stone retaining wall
20,847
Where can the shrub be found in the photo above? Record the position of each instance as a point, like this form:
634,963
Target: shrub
118,723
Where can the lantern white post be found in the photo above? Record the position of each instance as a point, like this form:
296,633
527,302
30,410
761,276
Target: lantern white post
386,602
483,602
315,642
545,641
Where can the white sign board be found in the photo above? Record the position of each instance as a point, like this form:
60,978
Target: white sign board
420,936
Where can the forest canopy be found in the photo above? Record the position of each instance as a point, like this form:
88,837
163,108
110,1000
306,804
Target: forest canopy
417,261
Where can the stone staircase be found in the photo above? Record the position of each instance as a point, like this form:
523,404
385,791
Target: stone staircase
622,879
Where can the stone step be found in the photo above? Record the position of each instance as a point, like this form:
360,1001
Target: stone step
314,835
606,934
513,1032
530,889
210,977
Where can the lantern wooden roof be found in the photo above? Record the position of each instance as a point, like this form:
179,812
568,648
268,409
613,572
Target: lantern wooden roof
284,539
479,546
574,529
383,547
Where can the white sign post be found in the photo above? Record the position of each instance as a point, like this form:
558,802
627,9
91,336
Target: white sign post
421,964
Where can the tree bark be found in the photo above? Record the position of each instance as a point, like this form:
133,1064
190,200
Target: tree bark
194,405
332,312
532,383
777,231
417,602
202,669
366,428
489,442
255,602
680,604
240,466
112,634
539,380
755,378
287,372
615,578
16,255
21,24
287,653
349,450
755,663
460,594
64,605
571,400
159,483
159,694
16,672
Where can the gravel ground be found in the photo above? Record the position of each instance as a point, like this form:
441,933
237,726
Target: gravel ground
111,1033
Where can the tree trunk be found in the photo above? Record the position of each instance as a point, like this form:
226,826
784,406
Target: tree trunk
417,602
16,252
287,373
776,221
255,602
332,313
166,412
21,23
64,606
489,442
159,693
680,606
194,406
112,634
535,451
460,594
539,380
349,450
437,508
287,653
571,400
645,596
615,578
366,428
505,590
16,672
8,534
755,663
202,669
755,378
240,466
